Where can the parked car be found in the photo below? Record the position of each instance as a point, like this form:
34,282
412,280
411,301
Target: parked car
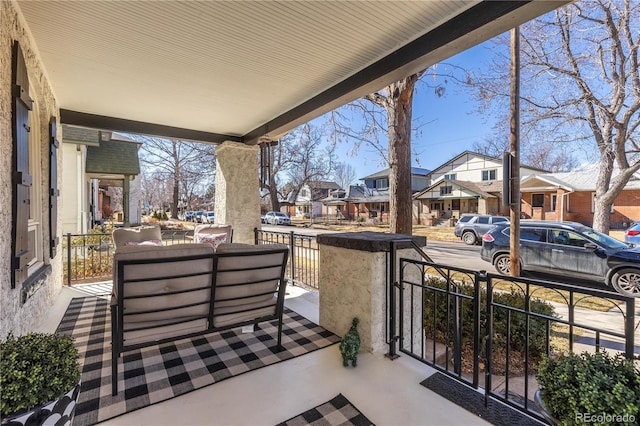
208,217
567,249
632,235
471,227
189,216
277,218
197,217
263,219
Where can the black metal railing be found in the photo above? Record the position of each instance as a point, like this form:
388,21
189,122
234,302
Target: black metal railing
304,255
88,258
477,327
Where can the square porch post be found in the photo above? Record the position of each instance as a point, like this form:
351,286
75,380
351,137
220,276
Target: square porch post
237,189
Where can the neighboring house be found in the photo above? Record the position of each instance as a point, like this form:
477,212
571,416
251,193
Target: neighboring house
94,162
571,197
370,201
307,201
468,183
343,204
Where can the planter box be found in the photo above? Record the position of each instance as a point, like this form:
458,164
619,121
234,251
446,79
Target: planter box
58,412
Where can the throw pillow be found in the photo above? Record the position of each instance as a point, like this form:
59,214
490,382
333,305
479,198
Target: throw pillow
214,240
144,243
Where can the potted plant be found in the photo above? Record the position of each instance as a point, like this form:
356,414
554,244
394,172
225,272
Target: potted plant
39,378
586,388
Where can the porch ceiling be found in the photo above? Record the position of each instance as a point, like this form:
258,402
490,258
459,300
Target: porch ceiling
239,70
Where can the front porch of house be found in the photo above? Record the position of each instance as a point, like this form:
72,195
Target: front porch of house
386,392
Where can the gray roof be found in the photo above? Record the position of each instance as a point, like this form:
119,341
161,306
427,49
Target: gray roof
581,180
384,173
113,157
81,135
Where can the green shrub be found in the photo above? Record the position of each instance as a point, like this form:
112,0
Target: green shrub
598,385
160,215
441,326
35,369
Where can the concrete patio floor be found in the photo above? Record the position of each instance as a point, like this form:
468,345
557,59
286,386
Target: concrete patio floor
387,392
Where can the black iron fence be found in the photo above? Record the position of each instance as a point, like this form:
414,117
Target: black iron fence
304,255
88,258
489,330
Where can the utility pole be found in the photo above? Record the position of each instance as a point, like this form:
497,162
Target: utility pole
514,175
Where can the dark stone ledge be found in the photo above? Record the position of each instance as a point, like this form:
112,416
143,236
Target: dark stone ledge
370,241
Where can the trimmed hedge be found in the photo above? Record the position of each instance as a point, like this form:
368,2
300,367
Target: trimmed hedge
441,327
604,387
36,368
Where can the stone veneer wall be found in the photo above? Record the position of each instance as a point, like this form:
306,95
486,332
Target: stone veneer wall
15,316
237,189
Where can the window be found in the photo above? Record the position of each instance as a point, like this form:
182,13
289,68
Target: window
489,174
533,234
566,238
446,190
484,220
593,203
498,220
35,223
451,176
537,200
554,201
304,193
35,195
382,183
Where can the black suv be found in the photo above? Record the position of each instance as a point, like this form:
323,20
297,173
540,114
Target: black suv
567,249
471,227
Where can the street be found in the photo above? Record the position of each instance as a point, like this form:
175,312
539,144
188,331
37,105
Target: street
450,253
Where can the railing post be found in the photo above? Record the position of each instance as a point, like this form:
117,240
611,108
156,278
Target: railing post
255,235
480,277
292,255
628,329
488,336
69,259
391,282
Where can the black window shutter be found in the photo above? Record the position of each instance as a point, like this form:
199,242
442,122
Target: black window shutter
53,187
21,177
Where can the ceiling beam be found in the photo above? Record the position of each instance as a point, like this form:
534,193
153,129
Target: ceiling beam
101,122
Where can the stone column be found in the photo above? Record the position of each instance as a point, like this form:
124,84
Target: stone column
237,189
354,272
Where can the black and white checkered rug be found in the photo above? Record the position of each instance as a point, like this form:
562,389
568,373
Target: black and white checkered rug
338,411
157,373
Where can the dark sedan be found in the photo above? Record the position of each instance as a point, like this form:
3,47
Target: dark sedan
568,249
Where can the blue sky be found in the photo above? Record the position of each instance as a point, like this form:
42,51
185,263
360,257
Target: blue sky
449,125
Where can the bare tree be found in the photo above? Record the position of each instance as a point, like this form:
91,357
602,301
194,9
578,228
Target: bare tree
545,155
387,115
581,83
310,159
182,164
344,175
298,158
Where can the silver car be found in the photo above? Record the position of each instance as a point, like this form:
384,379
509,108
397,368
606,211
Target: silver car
277,218
471,227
